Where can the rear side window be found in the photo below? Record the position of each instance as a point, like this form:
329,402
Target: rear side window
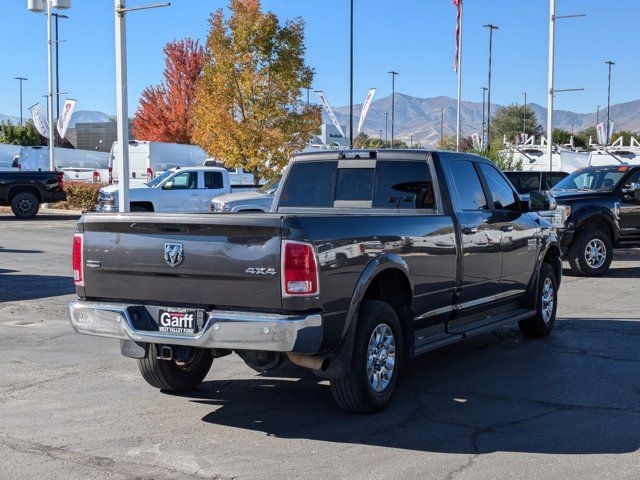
551,179
467,189
529,183
403,185
302,191
213,180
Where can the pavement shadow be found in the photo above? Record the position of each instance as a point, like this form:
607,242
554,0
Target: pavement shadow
17,250
41,217
575,392
28,287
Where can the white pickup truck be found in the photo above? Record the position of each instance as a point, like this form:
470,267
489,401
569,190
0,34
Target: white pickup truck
177,190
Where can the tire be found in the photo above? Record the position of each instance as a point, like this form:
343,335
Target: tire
170,376
356,392
591,253
25,205
541,324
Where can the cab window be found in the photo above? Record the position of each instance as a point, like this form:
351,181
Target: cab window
467,189
503,196
183,181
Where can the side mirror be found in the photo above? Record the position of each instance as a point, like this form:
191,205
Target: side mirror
541,201
167,186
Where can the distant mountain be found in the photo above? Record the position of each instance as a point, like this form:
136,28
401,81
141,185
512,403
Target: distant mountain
420,117
10,119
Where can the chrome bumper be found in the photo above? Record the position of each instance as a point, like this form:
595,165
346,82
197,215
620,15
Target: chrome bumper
223,329
101,207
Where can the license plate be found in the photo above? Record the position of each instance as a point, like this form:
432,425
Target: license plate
181,321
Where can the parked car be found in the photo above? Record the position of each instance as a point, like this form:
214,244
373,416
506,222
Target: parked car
25,191
176,190
598,210
179,291
250,201
149,159
527,182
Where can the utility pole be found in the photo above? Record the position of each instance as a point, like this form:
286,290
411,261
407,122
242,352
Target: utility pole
380,134
491,29
351,80
411,141
524,115
484,119
57,16
597,115
386,126
459,72
21,79
393,104
610,63
441,125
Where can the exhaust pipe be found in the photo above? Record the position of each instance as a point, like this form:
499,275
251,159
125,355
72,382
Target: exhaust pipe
309,361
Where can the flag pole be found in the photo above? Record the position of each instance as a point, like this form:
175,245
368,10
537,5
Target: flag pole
459,64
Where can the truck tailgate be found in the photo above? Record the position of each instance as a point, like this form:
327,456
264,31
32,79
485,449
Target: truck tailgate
202,259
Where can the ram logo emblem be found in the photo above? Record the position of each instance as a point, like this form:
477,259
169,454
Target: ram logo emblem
173,254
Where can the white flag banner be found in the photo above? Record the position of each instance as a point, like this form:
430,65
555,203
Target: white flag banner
611,125
329,111
40,120
65,116
475,139
365,108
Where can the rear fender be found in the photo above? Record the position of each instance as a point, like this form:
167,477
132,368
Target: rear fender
341,358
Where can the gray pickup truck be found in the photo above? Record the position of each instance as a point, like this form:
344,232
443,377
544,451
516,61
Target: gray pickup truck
368,258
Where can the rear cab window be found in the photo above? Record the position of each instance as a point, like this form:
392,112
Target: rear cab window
360,183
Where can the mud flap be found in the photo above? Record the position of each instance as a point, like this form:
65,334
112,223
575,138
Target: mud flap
132,349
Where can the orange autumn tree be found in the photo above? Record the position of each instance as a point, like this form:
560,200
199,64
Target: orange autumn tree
249,111
165,110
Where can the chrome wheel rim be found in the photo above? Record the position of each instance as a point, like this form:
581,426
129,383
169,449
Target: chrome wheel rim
381,358
547,300
595,253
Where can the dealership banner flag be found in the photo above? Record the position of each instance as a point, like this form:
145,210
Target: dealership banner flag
40,120
475,139
65,116
332,116
602,134
365,108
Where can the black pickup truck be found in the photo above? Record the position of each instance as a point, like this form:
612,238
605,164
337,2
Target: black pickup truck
369,258
25,191
598,209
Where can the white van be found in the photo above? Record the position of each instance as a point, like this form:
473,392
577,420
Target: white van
148,159
76,165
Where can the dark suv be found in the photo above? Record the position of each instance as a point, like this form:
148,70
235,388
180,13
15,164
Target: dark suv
598,210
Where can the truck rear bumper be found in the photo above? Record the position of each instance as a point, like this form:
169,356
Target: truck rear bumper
223,329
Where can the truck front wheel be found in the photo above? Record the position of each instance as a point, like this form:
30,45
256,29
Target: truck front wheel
25,205
175,375
374,368
591,253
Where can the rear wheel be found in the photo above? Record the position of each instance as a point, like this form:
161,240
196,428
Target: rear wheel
174,375
377,355
544,320
591,253
25,205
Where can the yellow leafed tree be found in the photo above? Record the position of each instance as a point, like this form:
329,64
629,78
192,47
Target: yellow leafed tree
249,111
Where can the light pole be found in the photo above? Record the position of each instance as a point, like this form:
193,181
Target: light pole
597,115
524,115
57,16
484,119
21,79
122,115
393,103
491,29
386,126
610,64
442,125
411,141
351,79
380,134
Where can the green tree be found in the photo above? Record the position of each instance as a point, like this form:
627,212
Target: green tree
504,159
561,136
448,142
581,139
509,121
249,111
626,136
20,135
364,141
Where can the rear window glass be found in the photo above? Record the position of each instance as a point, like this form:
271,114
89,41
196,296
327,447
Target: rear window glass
403,185
354,184
213,180
299,191
550,180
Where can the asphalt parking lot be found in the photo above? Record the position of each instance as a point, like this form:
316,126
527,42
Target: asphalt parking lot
498,406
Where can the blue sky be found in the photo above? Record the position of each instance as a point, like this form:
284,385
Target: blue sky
414,37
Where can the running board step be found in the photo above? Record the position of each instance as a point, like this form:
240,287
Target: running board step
489,324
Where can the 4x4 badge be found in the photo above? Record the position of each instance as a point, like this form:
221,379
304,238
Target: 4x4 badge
173,254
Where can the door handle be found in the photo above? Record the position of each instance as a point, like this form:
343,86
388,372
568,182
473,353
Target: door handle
470,230
507,228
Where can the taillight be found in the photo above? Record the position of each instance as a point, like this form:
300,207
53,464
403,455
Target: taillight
362,248
110,175
96,177
61,180
76,260
299,269
149,174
